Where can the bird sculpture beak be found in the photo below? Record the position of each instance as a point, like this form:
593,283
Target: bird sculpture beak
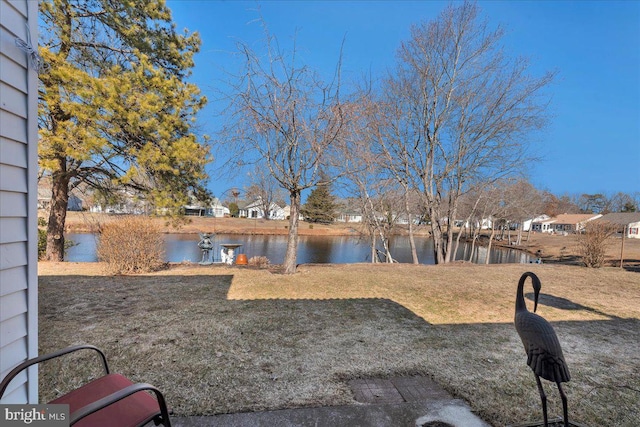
536,293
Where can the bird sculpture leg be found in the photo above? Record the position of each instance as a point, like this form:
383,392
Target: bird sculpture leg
543,397
564,405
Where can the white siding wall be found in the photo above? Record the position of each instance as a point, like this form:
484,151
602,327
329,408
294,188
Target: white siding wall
633,230
18,199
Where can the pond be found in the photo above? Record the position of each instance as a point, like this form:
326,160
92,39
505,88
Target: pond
311,249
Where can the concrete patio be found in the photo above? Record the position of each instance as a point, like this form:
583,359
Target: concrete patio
402,401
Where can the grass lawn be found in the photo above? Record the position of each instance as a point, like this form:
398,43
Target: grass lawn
220,340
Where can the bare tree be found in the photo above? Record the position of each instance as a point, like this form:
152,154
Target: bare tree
554,206
479,216
283,113
264,189
385,123
622,202
489,206
525,203
382,214
375,176
501,205
593,203
467,111
593,243
366,182
468,209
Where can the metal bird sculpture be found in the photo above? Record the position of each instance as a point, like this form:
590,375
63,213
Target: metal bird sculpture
544,354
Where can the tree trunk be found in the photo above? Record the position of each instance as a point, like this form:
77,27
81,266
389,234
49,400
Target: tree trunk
449,254
457,245
57,217
374,253
384,239
438,243
491,236
474,239
449,243
412,242
387,250
290,257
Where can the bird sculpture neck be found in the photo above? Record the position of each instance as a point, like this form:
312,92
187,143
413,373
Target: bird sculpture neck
520,303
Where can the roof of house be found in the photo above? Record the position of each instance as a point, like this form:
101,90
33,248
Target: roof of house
621,218
574,218
349,206
540,218
257,204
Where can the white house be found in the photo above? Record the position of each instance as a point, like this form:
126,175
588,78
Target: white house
627,222
194,210
286,211
217,209
255,210
544,225
565,223
277,212
74,203
483,224
526,225
349,210
127,202
18,196
349,216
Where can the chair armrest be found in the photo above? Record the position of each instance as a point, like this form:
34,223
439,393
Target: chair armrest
119,395
24,365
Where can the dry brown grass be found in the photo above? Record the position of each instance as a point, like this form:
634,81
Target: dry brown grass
259,262
221,339
86,222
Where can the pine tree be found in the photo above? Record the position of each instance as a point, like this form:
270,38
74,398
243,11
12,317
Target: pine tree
320,206
115,111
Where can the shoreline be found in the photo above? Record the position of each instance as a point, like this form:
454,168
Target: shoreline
555,249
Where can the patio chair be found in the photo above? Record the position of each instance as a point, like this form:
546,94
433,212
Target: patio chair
111,400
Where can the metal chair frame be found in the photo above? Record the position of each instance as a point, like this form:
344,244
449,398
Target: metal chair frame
119,387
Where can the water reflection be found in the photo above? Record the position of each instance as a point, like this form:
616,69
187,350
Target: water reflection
311,249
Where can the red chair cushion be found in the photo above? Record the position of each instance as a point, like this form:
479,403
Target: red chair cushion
134,410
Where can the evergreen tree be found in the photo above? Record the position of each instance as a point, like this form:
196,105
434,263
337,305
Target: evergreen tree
320,206
114,108
233,210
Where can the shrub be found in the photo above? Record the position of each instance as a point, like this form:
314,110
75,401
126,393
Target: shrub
593,243
259,261
131,244
42,243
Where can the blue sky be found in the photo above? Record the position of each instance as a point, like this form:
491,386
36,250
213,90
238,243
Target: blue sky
592,144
